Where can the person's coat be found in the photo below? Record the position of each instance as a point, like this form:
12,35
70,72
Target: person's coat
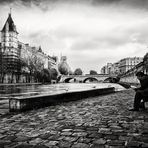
144,86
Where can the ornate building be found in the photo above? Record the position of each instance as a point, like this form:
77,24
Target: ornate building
15,56
9,51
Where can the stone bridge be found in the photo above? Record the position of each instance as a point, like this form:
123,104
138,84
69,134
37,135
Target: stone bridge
128,77
84,78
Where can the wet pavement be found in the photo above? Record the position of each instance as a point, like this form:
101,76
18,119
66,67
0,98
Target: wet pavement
99,122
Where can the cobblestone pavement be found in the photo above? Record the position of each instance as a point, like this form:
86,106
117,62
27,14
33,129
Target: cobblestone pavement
99,122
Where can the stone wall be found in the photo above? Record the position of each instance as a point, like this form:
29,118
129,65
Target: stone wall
129,79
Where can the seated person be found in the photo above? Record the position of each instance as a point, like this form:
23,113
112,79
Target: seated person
141,92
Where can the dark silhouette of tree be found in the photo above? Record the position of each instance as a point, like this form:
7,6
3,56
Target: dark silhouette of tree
46,77
78,71
63,68
59,78
38,76
53,73
93,72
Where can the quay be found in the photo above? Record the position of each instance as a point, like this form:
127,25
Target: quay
26,97
37,101
96,122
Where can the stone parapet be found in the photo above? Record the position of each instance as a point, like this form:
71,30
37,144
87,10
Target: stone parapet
129,79
38,101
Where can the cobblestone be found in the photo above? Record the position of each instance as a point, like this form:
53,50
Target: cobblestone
80,145
100,141
102,121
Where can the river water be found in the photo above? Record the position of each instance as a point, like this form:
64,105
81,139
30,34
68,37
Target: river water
29,90
8,91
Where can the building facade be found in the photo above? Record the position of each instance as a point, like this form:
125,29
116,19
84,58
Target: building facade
129,63
16,57
115,68
9,52
106,69
122,66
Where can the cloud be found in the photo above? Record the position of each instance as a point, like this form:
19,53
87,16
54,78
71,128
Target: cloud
140,4
45,5
101,42
90,33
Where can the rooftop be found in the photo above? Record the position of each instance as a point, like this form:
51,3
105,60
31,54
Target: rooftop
10,23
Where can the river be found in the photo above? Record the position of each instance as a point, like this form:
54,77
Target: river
8,91
25,90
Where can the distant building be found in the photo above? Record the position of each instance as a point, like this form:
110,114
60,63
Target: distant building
128,63
122,66
36,52
115,68
13,55
106,69
63,59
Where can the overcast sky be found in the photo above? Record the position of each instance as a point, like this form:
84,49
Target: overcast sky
90,33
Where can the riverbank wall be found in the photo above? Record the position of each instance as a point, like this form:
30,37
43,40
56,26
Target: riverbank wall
32,102
132,79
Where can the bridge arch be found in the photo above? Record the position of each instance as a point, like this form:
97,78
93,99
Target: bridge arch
81,78
68,79
112,80
91,79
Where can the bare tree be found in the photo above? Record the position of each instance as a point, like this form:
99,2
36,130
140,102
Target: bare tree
53,73
33,62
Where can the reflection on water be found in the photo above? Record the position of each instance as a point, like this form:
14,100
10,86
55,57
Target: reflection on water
32,90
